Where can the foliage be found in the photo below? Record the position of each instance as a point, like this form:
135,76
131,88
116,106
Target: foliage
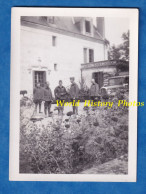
23,92
74,143
25,101
84,90
121,51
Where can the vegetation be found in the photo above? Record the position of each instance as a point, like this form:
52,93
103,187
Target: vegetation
23,92
70,143
121,51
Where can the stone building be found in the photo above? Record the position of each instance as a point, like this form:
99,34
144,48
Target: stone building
53,48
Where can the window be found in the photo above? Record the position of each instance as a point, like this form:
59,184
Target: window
116,81
53,40
87,26
51,19
88,55
39,77
55,67
44,18
91,55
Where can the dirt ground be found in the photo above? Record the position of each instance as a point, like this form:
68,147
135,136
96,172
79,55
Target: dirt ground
66,108
116,166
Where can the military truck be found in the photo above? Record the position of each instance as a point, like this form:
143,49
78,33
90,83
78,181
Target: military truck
115,84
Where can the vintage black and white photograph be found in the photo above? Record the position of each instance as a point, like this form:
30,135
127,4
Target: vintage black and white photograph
75,75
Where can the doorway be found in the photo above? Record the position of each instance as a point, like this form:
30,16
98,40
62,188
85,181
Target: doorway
39,76
98,76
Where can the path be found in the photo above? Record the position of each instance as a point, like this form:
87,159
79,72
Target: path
116,166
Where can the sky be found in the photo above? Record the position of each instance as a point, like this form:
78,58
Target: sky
114,28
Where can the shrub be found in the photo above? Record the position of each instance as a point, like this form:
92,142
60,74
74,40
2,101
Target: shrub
23,92
96,137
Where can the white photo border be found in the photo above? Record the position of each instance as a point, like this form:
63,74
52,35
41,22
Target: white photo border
133,15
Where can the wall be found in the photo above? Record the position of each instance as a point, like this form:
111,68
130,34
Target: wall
37,52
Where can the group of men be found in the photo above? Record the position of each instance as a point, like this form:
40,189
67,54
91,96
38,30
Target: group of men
41,94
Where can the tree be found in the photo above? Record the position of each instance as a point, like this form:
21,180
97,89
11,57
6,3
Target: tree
114,53
121,51
125,46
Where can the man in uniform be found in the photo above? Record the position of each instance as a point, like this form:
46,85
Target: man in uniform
48,99
60,95
94,90
38,96
74,94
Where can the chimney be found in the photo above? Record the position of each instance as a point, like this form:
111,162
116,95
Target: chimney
100,26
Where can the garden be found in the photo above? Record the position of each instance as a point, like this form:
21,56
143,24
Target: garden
72,144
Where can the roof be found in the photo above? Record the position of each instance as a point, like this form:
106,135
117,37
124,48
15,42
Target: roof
69,24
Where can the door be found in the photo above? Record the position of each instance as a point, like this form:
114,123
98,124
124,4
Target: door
98,76
39,77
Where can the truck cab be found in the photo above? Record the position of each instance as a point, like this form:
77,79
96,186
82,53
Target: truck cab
114,84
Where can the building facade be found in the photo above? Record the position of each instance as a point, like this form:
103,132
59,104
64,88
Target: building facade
53,48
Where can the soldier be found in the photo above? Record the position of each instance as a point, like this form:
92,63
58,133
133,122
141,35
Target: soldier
60,95
38,96
48,99
94,90
74,93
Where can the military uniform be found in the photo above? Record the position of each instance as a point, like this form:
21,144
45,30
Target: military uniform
48,100
60,94
94,91
74,95
38,97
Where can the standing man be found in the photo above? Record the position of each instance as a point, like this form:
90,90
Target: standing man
48,99
38,96
74,93
60,94
94,90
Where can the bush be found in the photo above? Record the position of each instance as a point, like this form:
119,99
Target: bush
25,101
23,92
74,144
